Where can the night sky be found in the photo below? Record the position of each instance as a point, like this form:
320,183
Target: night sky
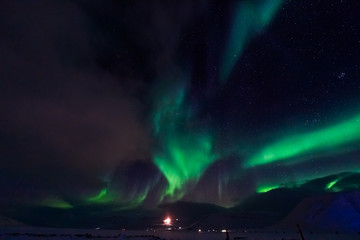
117,105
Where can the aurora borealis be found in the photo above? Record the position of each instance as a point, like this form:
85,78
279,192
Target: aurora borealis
187,151
111,107
325,139
250,19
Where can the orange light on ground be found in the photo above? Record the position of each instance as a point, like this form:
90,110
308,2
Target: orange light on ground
167,221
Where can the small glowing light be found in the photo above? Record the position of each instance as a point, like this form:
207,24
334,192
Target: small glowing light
167,221
224,230
199,230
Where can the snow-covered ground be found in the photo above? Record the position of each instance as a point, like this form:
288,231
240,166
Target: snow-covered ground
27,233
252,235
32,233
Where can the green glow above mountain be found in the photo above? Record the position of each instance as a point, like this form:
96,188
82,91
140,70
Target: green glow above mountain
332,138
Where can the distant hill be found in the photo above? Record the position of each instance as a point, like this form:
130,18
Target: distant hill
280,201
283,200
334,211
233,221
8,222
269,207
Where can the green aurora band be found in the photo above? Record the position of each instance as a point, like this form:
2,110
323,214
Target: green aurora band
185,149
108,196
297,145
251,18
100,197
264,189
331,184
344,181
55,202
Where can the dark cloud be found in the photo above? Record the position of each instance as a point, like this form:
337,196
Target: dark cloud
138,179
223,183
65,120
74,94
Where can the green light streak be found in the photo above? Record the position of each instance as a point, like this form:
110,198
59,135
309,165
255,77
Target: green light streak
56,203
251,18
264,189
169,110
99,196
123,200
134,202
185,149
185,159
331,184
348,181
102,197
139,200
325,139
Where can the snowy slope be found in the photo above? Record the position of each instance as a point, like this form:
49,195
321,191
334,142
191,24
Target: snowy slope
7,222
34,233
80,234
233,221
337,211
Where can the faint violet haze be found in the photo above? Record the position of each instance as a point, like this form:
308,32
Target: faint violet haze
329,138
250,19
